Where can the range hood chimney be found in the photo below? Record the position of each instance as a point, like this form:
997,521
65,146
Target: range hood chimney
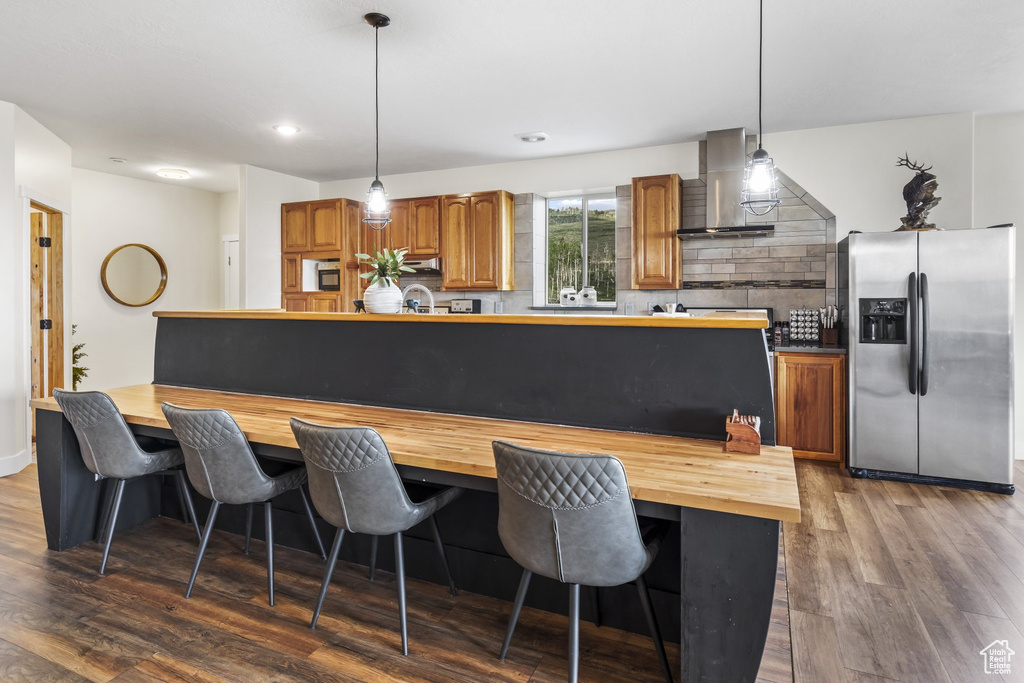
726,161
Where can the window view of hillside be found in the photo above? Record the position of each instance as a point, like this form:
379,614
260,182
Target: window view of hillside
573,222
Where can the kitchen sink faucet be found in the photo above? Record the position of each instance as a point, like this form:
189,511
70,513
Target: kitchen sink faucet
430,296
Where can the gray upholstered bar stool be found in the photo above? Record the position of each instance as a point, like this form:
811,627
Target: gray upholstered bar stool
356,487
221,466
110,450
571,518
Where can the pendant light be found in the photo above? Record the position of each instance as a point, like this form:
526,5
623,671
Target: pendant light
378,215
760,191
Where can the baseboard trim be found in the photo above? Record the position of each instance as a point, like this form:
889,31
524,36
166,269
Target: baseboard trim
12,464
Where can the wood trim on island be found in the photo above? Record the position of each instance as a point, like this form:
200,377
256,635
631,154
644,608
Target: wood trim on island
732,320
661,469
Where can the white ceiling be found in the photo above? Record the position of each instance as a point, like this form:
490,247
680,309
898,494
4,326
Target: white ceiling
197,84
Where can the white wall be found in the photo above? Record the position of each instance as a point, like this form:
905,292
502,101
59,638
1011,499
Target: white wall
579,173
180,223
999,148
852,169
228,213
261,193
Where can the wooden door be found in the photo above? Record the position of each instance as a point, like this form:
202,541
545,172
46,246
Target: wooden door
657,258
46,301
424,227
295,235
811,404
455,242
351,225
484,241
396,235
324,302
296,303
291,273
325,225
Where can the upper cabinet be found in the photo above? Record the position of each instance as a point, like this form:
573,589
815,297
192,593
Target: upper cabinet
424,238
311,226
478,241
657,253
295,235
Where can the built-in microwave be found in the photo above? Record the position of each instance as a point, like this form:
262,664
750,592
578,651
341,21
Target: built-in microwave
328,277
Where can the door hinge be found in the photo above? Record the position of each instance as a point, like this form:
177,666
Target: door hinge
45,242
46,324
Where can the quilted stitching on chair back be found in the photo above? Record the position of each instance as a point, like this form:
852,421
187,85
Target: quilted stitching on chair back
204,430
342,450
85,409
562,481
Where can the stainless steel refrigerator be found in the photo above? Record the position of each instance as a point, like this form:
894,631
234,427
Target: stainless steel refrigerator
929,329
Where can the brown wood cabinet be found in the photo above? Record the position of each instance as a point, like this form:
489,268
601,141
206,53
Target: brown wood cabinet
291,273
324,225
296,303
810,399
657,253
326,229
295,236
478,241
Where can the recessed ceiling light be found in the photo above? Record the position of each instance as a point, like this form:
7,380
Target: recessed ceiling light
532,137
287,130
173,173
117,160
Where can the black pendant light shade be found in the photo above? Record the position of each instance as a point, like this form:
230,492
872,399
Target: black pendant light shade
378,215
760,190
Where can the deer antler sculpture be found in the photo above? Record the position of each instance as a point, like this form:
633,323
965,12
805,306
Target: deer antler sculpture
919,194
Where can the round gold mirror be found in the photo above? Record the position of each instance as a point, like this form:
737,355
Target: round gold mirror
134,275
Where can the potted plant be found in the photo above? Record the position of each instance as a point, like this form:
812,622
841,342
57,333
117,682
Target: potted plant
383,294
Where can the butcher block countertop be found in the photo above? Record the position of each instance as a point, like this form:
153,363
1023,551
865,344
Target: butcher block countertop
730,320
661,469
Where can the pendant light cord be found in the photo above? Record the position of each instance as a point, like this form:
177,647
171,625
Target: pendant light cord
376,97
760,58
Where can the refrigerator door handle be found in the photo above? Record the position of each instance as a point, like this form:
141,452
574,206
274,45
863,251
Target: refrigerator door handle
924,334
912,367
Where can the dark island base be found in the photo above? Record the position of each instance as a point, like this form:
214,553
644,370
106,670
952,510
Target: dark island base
861,473
725,564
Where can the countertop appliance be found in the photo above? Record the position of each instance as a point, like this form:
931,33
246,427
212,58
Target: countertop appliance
328,276
928,321
464,306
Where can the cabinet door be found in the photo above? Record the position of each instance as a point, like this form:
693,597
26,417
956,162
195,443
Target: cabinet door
396,235
294,227
296,303
291,273
484,241
324,302
351,226
424,227
325,225
656,218
811,400
455,241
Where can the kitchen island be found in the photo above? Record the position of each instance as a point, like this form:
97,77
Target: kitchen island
652,391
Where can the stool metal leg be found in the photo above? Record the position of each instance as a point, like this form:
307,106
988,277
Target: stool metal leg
108,503
248,527
400,571
181,498
574,632
332,560
444,555
652,624
268,509
312,521
190,510
207,532
524,583
112,523
595,594
373,556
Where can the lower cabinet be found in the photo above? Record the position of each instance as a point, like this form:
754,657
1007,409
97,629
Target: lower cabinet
313,302
810,400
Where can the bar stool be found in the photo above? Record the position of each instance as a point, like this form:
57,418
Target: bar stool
356,487
571,518
222,467
110,450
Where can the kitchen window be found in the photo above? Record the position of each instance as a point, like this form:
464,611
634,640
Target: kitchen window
581,245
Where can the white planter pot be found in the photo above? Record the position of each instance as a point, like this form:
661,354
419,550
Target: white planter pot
381,298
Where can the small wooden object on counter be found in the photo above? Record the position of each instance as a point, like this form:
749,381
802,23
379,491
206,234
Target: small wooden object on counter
743,434
830,337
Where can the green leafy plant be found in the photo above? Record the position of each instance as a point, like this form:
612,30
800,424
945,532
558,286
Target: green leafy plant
78,371
387,266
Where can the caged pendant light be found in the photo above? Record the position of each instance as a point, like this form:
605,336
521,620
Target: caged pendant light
760,192
378,215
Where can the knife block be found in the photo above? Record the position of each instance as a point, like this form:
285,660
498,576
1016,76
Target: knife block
743,438
829,336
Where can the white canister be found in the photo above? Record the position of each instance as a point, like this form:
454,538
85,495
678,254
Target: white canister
567,297
588,296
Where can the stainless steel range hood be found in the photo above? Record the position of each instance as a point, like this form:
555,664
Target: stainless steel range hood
726,160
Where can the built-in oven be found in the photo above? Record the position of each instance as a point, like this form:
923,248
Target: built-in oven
328,276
